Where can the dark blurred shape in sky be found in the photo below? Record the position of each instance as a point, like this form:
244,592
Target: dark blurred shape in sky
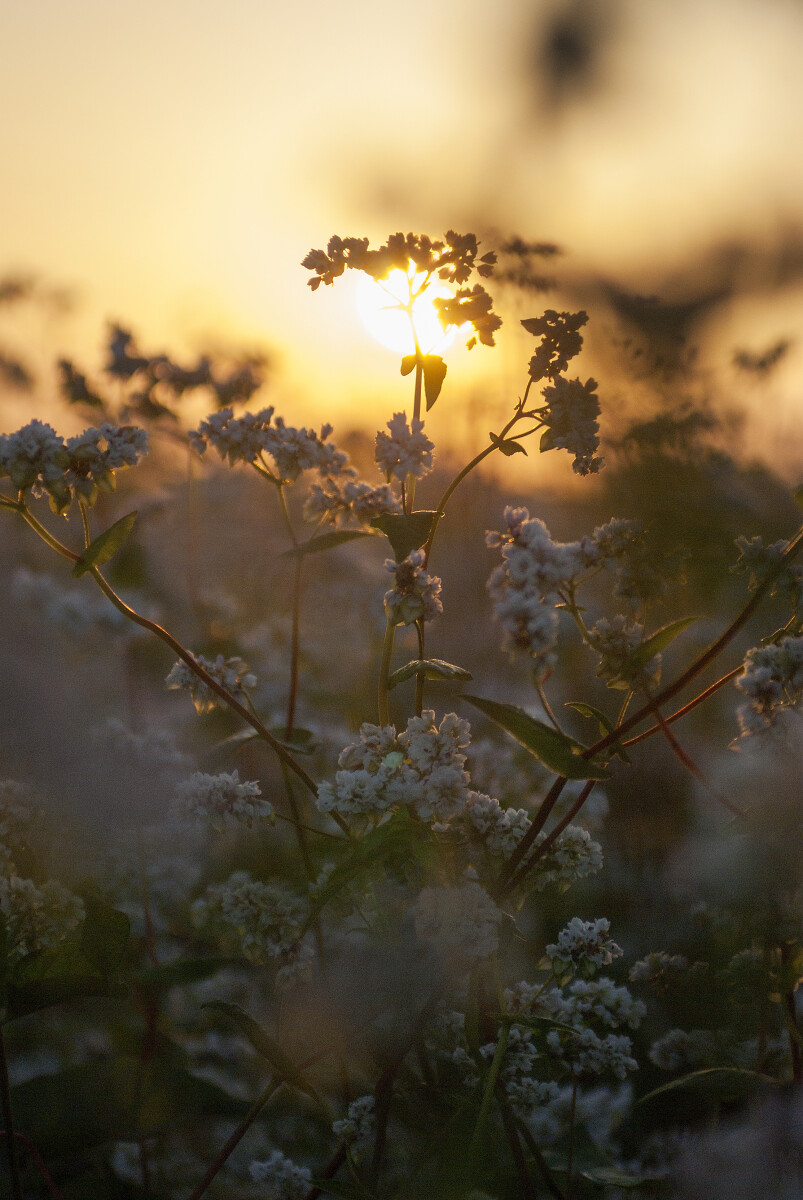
567,51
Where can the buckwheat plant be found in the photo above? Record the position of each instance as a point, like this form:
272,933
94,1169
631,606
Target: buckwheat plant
431,1028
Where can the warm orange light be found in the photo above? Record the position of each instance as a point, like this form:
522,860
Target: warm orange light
389,317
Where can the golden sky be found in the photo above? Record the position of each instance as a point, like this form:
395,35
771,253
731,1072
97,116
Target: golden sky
175,160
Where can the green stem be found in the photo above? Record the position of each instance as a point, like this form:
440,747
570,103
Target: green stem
518,877
420,679
490,1088
8,1122
570,1154
419,376
384,674
177,648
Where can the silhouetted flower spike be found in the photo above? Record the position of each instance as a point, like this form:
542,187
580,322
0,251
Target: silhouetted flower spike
561,341
472,306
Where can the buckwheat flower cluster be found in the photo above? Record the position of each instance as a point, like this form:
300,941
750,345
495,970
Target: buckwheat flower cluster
72,609
232,673
532,578
215,797
615,641
573,855
588,1053
265,920
658,968
415,595
570,417
561,341
681,1049
36,458
446,1041
406,450
148,748
757,560
589,1001
583,946
249,437
37,918
285,1181
501,829
357,1127
461,923
341,503
519,1074
423,767
772,680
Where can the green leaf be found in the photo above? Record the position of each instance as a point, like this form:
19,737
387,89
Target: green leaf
406,531
301,741
613,1177
175,974
654,644
265,1045
605,726
73,1110
434,375
507,445
719,1082
400,838
555,750
344,1189
326,541
430,668
408,363
105,545
104,933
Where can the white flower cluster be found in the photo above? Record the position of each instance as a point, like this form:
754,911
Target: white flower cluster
772,679
681,1049
285,1180
37,918
571,420
589,1000
583,945
501,829
415,595
232,673
150,748
338,503
525,587
600,1110
406,450
36,458
357,1127
519,1072
572,855
265,920
588,1053
247,438
215,797
422,768
657,968
74,609
615,641
460,923
446,1041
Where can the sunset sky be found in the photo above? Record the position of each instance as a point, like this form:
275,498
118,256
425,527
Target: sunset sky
173,162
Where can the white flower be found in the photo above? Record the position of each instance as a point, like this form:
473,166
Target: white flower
232,673
247,438
615,641
583,943
586,1051
571,420
772,679
405,451
264,919
357,1127
37,918
415,595
339,502
587,1001
519,1072
214,797
571,856
285,1180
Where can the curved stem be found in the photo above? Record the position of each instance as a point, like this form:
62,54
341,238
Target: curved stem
177,648
234,1139
8,1122
383,703
687,708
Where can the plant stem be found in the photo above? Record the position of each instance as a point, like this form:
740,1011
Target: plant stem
509,1121
39,1163
532,1146
419,376
420,679
383,702
570,1154
235,1138
8,1122
539,821
687,708
550,840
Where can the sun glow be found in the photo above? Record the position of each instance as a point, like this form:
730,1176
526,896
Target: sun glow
384,308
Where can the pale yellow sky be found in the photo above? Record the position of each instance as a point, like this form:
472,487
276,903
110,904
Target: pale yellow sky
175,160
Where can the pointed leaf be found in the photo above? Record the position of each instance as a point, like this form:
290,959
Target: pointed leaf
605,726
408,363
264,1045
406,531
326,541
105,545
654,644
555,750
434,375
430,668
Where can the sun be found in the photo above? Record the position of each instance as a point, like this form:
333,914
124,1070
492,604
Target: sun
383,308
